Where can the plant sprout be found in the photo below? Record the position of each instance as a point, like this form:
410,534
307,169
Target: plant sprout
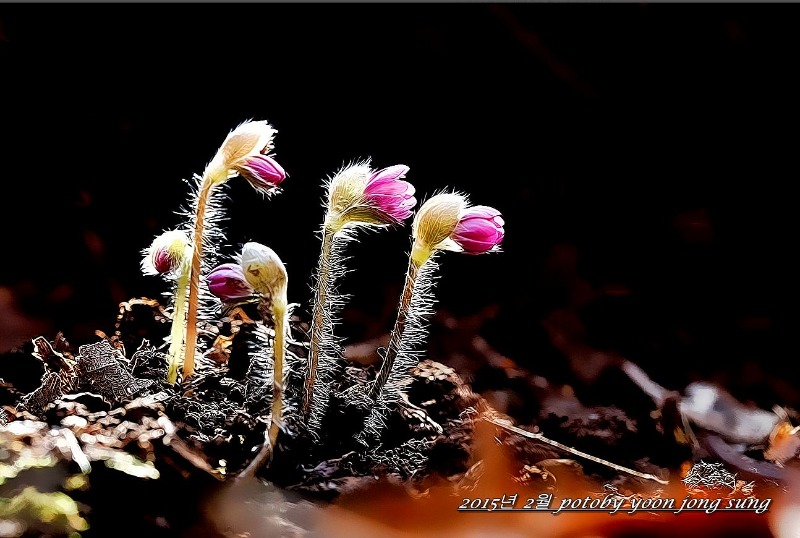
265,272
357,196
244,152
169,256
445,222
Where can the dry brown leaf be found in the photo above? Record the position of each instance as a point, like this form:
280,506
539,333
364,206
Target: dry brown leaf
783,443
220,351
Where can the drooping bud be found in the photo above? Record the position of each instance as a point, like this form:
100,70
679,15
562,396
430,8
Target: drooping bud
228,282
479,230
168,252
249,139
163,261
264,270
261,171
433,224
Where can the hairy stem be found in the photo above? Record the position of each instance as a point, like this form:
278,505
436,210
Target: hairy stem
318,317
397,331
194,280
178,319
267,449
279,312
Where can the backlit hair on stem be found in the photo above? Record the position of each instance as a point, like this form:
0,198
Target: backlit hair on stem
444,222
244,152
357,197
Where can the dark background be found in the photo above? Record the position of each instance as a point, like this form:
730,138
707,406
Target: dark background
644,158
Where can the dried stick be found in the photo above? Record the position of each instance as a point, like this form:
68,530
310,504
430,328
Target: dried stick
565,448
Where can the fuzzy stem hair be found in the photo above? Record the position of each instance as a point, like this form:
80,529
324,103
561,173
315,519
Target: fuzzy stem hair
397,331
204,224
194,279
318,325
325,352
409,333
270,360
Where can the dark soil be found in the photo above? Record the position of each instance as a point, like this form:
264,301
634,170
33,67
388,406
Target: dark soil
198,438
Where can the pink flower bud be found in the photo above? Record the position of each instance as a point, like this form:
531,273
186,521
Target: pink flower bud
388,193
479,230
228,282
163,261
167,254
261,171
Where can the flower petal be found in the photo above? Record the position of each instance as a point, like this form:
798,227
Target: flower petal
262,172
391,173
228,282
386,193
479,230
390,186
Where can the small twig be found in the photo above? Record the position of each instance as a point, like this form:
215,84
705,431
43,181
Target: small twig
658,393
184,451
75,451
420,414
543,439
262,458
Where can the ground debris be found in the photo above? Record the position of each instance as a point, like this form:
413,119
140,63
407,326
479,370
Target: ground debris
50,391
709,475
100,366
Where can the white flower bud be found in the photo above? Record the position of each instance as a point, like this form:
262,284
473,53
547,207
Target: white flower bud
264,270
168,252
